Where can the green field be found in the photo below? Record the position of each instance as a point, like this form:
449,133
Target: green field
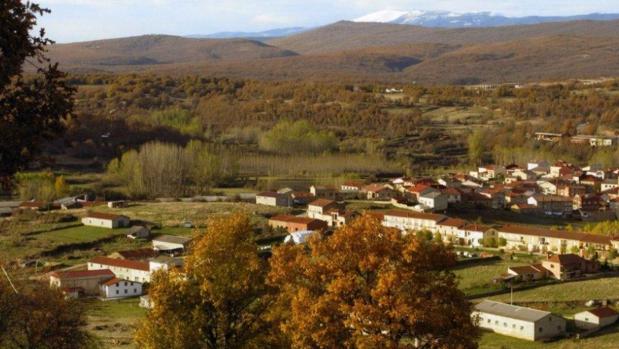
569,292
114,322
607,339
78,235
477,279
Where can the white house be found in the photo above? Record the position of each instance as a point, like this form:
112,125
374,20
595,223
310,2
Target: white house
274,199
170,243
106,220
609,184
165,263
123,268
518,322
299,237
434,200
409,220
596,318
117,288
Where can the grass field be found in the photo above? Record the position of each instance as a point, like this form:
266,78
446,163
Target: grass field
607,339
77,235
478,278
114,322
569,292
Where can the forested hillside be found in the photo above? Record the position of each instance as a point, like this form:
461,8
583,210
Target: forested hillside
358,52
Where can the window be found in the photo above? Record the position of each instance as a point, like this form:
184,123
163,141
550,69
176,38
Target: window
125,291
135,290
116,291
541,330
489,321
521,328
496,322
505,324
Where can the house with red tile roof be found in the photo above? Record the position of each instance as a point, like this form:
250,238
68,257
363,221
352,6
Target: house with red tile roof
123,268
533,239
596,318
117,288
294,223
569,266
80,282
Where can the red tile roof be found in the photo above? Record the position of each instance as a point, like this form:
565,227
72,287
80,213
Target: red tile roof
418,215
75,274
111,282
566,259
142,253
322,202
559,234
603,312
121,263
453,222
293,219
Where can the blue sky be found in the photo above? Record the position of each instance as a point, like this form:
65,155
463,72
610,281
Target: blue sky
79,20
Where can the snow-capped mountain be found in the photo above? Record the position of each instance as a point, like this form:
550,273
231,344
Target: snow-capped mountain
445,19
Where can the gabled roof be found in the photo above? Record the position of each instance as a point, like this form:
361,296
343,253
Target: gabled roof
416,215
294,219
511,311
453,222
121,263
142,253
566,259
375,187
106,216
76,274
527,269
603,312
173,239
111,282
322,202
559,234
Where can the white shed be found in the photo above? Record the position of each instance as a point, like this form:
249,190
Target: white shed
518,322
106,220
596,318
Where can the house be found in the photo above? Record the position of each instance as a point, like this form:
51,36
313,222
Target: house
378,191
124,269
524,175
454,195
433,200
117,288
609,184
138,232
548,137
551,204
526,238
587,202
548,187
450,229
412,221
270,198
352,186
320,207
293,223
569,190
490,172
106,220
301,197
420,189
569,266
519,322
596,318
171,243
321,191
594,141
474,234
528,272
135,255
80,281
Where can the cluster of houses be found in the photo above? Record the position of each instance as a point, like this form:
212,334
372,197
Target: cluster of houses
121,274
540,188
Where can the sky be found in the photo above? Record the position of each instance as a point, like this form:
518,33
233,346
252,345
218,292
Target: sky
82,20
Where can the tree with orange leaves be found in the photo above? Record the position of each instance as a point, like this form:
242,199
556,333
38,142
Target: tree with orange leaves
220,300
368,286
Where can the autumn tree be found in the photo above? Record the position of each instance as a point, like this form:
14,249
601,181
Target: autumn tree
476,147
220,301
368,286
33,317
32,109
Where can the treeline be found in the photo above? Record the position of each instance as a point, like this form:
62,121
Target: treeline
161,169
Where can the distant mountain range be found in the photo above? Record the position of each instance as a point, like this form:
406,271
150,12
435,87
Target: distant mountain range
361,51
430,19
444,19
268,34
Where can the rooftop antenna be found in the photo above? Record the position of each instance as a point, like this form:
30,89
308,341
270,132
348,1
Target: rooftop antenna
9,278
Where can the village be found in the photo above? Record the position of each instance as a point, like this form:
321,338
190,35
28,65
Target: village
497,257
